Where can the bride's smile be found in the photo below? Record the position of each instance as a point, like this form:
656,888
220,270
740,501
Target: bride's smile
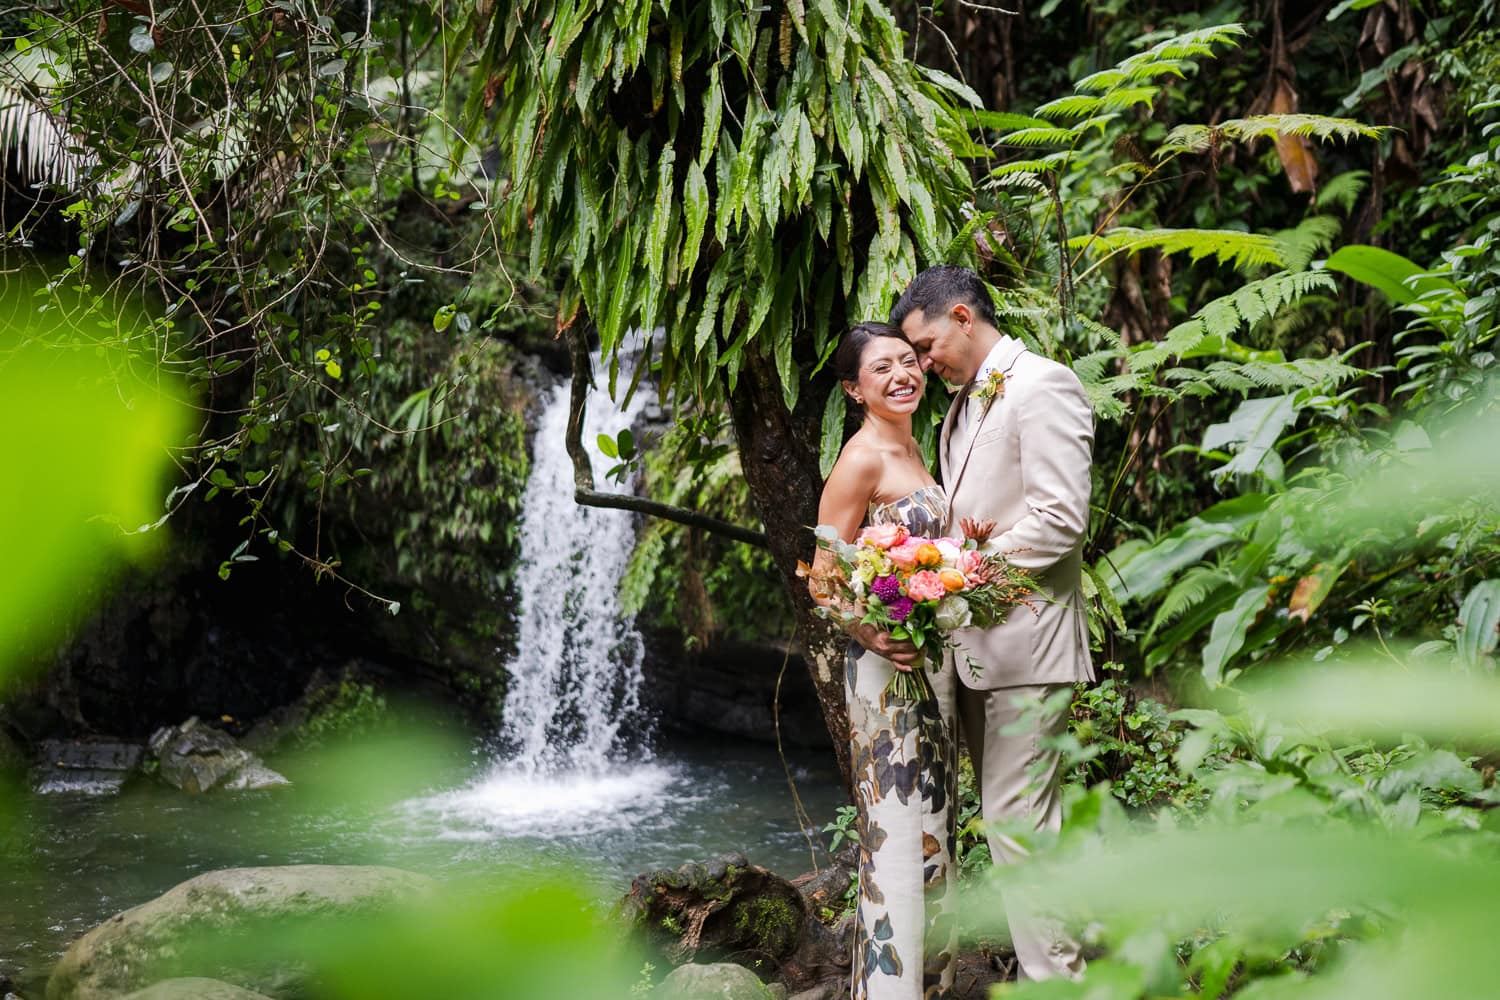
890,376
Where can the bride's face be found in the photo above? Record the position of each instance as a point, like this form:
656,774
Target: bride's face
890,377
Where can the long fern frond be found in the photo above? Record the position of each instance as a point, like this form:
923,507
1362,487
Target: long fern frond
1056,136
1324,128
1243,251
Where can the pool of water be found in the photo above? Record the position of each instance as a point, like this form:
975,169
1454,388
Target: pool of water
75,859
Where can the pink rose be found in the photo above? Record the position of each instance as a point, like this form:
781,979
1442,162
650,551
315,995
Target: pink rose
969,564
925,586
883,536
905,554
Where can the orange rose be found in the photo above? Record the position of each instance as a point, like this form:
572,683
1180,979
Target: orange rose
952,580
929,555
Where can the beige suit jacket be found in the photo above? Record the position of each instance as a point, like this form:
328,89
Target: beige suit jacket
1025,463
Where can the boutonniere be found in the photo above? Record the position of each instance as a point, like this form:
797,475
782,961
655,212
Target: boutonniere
991,388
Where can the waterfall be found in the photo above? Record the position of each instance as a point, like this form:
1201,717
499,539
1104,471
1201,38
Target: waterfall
573,694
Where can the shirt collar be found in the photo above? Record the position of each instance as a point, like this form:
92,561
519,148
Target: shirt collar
1004,354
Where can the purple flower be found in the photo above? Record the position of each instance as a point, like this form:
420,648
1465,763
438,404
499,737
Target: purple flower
900,608
887,588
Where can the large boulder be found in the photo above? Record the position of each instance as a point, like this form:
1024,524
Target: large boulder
194,988
721,981
155,941
196,757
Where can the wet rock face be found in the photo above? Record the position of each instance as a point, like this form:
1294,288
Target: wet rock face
88,767
729,687
172,935
195,758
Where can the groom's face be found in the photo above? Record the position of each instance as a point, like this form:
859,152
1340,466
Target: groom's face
944,343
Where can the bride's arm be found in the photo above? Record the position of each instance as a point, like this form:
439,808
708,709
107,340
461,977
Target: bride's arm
846,499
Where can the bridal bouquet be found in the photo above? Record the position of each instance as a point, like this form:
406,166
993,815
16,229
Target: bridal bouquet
917,589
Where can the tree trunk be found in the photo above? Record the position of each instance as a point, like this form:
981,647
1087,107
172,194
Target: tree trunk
779,456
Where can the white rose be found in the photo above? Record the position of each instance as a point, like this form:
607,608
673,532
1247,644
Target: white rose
952,613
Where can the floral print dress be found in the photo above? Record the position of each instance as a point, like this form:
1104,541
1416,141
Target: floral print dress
905,781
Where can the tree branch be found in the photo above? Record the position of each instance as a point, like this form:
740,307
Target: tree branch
583,473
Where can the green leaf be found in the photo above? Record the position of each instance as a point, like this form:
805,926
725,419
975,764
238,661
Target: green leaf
443,318
695,215
607,447
1142,571
1251,432
1377,268
1479,624
832,438
1228,633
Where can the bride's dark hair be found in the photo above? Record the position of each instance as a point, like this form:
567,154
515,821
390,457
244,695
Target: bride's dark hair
852,347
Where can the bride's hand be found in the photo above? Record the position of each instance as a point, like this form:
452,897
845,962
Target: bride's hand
900,652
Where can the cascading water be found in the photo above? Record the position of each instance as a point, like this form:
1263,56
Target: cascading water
574,754
573,692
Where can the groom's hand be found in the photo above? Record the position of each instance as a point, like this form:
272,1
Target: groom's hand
900,652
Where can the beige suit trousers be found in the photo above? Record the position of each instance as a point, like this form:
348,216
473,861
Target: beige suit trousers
1019,779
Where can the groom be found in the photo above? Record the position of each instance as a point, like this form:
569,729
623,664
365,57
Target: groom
1016,450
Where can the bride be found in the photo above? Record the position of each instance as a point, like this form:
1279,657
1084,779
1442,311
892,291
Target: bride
903,755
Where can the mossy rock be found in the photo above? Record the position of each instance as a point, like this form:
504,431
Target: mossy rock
721,981
726,909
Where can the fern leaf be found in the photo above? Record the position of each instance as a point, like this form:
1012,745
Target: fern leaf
1341,191
1313,235
1072,106
1054,136
1324,128
1187,593
1243,251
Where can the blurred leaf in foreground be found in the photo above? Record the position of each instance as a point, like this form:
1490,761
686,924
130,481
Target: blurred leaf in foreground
86,428
522,935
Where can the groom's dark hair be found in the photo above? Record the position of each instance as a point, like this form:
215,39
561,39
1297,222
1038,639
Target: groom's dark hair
940,288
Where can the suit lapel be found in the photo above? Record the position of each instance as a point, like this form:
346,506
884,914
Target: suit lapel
1003,359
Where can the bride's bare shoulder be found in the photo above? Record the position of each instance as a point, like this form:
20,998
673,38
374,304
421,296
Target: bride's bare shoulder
860,460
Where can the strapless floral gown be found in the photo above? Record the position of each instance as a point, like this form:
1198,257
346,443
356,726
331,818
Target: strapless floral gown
905,782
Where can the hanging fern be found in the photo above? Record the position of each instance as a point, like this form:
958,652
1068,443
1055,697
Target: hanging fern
745,177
